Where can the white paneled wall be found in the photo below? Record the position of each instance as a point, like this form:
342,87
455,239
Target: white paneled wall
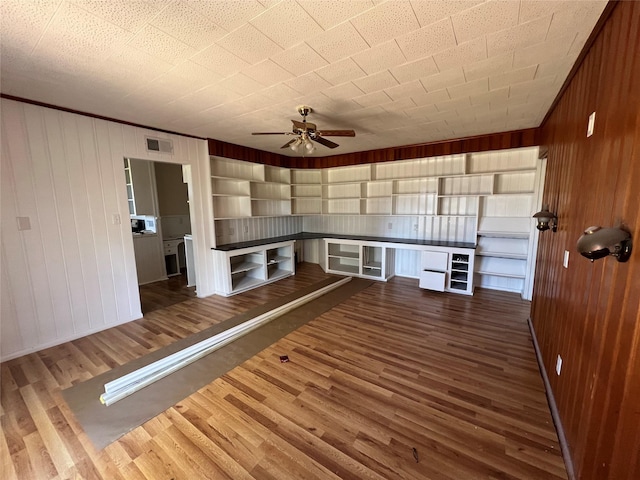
247,229
68,266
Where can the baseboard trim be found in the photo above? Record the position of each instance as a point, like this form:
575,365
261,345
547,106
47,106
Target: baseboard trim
555,415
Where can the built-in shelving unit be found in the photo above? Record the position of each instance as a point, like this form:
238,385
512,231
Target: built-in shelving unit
487,197
247,268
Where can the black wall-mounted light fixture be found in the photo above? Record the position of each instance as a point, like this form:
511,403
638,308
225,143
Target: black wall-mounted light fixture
598,242
546,220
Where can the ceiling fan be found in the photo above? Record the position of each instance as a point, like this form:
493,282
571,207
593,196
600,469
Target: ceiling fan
307,132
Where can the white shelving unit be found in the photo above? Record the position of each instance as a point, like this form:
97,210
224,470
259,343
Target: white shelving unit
363,259
247,268
486,197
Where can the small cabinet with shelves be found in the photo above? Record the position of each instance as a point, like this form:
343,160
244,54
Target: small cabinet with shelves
359,258
243,269
461,275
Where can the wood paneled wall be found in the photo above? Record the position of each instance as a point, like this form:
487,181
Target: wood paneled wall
589,313
482,143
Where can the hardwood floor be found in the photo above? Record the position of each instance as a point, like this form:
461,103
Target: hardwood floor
390,370
157,295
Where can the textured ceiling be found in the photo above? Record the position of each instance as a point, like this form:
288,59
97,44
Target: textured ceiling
398,72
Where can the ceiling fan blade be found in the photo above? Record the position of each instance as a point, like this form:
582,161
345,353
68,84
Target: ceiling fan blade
271,133
337,133
303,125
325,142
288,144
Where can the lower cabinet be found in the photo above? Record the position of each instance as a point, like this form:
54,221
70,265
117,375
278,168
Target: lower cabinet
363,259
444,269
243,269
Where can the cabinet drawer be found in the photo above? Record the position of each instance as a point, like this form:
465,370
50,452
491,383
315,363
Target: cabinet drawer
432,280
437,261
170,250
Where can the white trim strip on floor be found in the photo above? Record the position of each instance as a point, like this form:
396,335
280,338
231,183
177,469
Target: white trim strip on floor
132,382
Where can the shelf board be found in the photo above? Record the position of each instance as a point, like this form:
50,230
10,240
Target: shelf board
279,273
277,259
244,267
346,269
500,274
246,283
345,255
261,199
484,233
373,265
227,195
514,256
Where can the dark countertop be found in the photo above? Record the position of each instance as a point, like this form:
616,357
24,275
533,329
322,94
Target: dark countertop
311,236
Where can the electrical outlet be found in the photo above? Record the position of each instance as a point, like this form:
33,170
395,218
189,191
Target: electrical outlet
231,231
591,124
565,260
389,225
246,229
24,223
558,365
115,219
415,227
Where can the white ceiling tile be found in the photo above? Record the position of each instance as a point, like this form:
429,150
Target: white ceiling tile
279,93
409,89
339,42
267,73
488,67
188,25
431,11
219,60
426,111
414,70
228,14
559,66
577,16
386,21
276,23
75,31
474,87
248,43
463,54
375,82
485,18
455,76
512,77
131,15
344,91
381,57
537,85
430,98
399,105
299,60
532,9
511,39
191,72
427,40
341,71
22,23
159,44
371,99
241,84
329,13
308,83
494,96
554,48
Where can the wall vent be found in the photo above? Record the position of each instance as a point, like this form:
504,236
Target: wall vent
159,145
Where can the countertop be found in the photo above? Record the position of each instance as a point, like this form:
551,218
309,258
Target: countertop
311,236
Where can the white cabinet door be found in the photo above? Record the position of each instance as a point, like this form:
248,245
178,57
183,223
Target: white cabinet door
436,261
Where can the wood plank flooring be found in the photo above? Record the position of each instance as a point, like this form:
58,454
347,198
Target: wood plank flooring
390,370
162,294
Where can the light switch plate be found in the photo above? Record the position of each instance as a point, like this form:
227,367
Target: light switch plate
591,124
24,223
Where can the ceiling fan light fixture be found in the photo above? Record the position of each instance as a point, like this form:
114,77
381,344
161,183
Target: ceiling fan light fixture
295,146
